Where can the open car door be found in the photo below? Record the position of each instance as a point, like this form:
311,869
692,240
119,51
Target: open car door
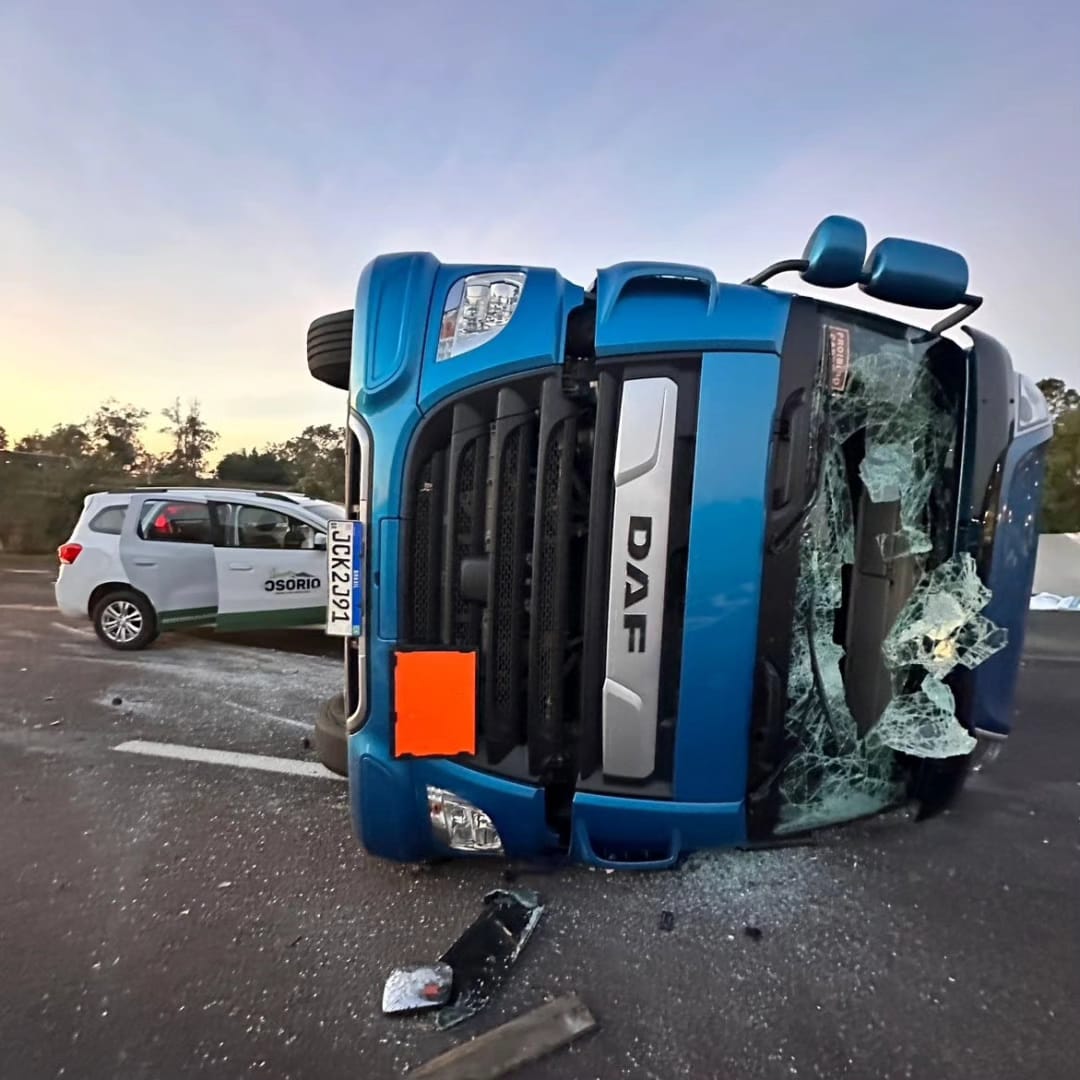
271,568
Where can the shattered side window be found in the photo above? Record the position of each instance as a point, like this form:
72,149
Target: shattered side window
884,608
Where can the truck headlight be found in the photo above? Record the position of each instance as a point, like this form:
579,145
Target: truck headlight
460,825
477,308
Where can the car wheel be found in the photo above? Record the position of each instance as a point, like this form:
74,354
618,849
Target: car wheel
125,620
331,740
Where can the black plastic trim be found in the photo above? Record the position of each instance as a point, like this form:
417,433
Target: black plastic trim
792,487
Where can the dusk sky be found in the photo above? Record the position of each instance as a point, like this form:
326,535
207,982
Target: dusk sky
183,187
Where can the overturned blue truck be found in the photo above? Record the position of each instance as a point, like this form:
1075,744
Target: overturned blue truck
669,563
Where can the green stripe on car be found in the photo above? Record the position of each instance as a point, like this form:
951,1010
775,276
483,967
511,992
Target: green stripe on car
188,616
271,620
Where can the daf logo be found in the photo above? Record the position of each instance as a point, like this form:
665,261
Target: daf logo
638,543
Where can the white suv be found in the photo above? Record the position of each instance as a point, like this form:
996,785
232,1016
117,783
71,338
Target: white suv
153,559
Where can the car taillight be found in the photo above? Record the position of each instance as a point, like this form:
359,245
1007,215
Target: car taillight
68,553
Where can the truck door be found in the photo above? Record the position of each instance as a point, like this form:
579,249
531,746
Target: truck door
271,568
166,550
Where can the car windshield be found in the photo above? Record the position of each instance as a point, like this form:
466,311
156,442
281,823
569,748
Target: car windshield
326,510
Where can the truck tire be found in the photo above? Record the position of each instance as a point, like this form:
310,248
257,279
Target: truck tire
125,620
331,741
329,348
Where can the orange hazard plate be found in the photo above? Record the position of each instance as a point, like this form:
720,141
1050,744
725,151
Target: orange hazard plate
435,704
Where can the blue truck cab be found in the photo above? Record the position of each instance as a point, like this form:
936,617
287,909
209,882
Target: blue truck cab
669,563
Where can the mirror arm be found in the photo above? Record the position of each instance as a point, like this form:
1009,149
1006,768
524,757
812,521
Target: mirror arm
971,305
781,267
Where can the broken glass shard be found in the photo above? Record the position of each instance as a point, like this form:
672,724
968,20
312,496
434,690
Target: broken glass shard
485,952
924,724
885,470
941,625
409,990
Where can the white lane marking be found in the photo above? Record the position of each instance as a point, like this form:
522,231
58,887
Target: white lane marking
263,714
9,571
27,607
201,754
72,629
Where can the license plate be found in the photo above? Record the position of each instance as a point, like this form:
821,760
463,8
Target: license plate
345,574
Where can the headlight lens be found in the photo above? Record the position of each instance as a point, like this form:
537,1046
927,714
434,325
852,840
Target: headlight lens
477,308
459,825
1031,408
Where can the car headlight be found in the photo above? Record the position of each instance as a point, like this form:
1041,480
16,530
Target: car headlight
477,308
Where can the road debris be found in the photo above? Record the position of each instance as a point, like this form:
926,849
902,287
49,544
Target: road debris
483,955
518,1042
667,921
479,960
754,933
409,990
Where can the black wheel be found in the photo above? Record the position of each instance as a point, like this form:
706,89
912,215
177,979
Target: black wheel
329,349
125,620
331,740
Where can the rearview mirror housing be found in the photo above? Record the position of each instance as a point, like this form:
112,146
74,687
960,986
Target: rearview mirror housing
835,252
319,543
915,275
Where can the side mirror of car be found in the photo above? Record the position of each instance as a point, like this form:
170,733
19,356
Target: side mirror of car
319,542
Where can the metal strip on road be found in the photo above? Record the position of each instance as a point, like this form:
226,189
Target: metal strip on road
237,760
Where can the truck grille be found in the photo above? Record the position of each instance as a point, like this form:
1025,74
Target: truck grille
498,557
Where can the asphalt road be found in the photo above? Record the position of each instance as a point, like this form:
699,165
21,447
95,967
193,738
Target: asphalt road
163,918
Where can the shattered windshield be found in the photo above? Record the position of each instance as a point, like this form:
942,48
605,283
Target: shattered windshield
885,610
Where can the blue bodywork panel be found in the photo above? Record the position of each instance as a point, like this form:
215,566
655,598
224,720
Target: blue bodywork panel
667,307
723,582
649,834
395,382
1010,578
533,338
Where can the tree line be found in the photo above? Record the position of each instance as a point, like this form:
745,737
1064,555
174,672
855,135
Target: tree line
111,441
43,483
108,447
1061,492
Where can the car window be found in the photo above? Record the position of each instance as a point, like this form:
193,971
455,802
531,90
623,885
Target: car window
259,527
109,520
176,522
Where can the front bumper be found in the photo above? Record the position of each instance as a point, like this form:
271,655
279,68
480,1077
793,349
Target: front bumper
389,806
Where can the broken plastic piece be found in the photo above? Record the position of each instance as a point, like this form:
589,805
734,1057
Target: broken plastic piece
409,990
486,951
924,724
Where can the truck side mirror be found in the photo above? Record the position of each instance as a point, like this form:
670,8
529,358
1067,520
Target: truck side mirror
319,542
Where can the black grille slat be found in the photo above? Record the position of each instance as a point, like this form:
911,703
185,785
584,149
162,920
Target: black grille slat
509,524
464,528
547,740
426,551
